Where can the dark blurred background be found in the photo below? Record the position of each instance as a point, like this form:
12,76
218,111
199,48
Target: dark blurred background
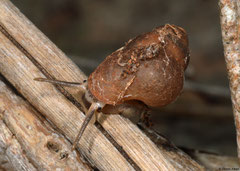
88,31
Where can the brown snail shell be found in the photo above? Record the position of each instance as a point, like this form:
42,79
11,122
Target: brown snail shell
149,68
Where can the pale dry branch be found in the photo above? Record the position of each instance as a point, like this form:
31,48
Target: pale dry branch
46,149
230,17
12,156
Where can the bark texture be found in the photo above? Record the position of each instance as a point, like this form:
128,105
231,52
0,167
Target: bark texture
230,17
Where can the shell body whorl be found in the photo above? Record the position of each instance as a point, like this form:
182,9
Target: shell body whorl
149,68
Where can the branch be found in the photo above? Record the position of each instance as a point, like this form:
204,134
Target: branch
41,144
116,144
12,156
230,11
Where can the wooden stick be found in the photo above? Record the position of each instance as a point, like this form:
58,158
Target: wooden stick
27,54
12,156
45,148
230,18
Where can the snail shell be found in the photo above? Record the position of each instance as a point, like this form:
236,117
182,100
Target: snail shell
149,68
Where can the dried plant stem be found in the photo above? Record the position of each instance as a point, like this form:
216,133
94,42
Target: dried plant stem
229,15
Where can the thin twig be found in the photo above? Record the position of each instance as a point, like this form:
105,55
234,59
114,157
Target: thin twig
229,15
